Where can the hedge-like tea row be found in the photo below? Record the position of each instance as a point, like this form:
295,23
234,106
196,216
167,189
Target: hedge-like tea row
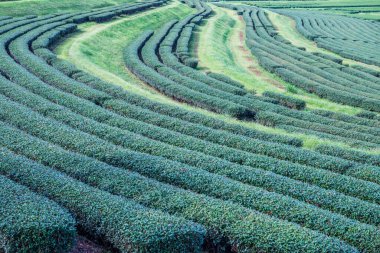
367,70
233,225
171,61
127,225
2,18
329,57
266,39
75,164
226,79
164,42
349,154
351,38
41,69
248,175
32,223
254,233
174,90
352,143
324,75
8,20
348,118
275,119
360,74
345,184
181,114
288,101
139,143
181,69
369,115
242,157
193,117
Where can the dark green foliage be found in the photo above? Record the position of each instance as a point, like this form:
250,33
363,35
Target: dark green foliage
349,37
191,62
107,153
176,91
252,176
349,154
369,115
124,223
349,141
329,57
225,79
349,118
198,82
32,223
262,195
367,70
99,18
315,73
180,114
187,204
174,113
288,101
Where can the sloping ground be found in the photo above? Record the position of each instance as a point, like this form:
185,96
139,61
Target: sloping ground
83,50
365,9
98,47
349,37
222,49
43,7
286,27
146,176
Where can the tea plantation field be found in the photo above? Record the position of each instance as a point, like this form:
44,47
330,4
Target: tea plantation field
189,126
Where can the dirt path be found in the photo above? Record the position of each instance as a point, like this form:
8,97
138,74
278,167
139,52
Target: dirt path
243,55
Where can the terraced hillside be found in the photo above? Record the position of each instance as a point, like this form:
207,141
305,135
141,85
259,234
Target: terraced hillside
167,126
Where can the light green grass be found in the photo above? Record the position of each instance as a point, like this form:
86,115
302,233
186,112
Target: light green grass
369,8
314,3
221,49
42,7
286,27
98,48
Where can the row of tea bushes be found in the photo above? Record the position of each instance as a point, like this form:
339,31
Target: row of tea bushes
30,222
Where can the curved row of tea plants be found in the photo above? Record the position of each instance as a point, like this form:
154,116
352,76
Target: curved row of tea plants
50,111
172,71
92,135
349,37
32,223
241,227
187,235
311,72
121,222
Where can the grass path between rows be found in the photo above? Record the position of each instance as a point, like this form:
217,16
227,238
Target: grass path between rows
223,50
97,49
43,7
286,27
